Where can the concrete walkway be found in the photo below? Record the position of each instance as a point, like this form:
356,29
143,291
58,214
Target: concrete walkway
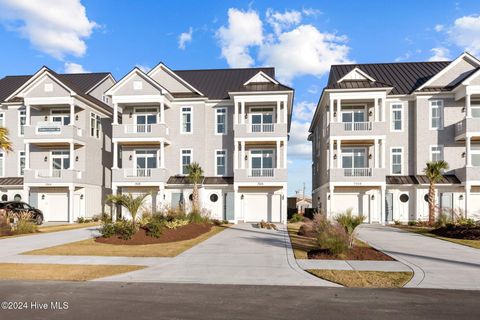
241,254
436,263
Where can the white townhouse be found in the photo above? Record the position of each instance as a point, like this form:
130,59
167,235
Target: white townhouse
60,128
234,122
375,127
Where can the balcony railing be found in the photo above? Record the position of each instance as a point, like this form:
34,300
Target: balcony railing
56,173
262,172
135,173
357,126
265,127
138,128
357,172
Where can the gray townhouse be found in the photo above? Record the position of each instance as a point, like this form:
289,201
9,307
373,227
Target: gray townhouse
233,122
375,127
60,128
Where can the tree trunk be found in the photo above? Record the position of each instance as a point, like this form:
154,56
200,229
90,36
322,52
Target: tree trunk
431,204
195,197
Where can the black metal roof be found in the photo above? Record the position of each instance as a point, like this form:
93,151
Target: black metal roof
9,84
421,179
404,77
217,83
11,181
205,180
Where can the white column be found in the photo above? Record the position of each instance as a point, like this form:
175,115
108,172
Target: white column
114,206
468,107
115,155
162,154
375,110
72,156
162,112
339,107
383,113
339,153
285,111
331,165
278,111
376,156
468,188
115,113
242,144
285,154
71,189
468,153
235,112
242,114
27,156
72,114
277,152
27,114
235,154
26,191
332,102
382,204
383,165
330,211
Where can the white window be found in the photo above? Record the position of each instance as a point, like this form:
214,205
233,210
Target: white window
2,119
261,163
61,116
436,114
145,161
137,85
354,158
397,117
144,118
436,153
220,162
186,123
185,160
22,120
261,119
221,121
95,125
60,160
21,163
397,160
105,99
2,164
475,151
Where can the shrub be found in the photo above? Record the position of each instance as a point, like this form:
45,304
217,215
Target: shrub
154,228
442,220
195,216
333,238
145,218
296,218
125,229
466,221
349,222
97,217
108,229
412,223
25,224
80,220
217,222
177,213
397,222
176,223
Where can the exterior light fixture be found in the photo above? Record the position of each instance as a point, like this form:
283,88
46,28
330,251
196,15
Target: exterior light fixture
81,197
373,197
464,154
463,110
43,197
242,197
335,157
460,197
76,158
130,115
328,197
76,117
45,118
130,158
45,159
246,157
370,113
370,156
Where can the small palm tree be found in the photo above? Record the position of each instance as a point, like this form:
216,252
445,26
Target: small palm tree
5,143
129,202
195,176
433,171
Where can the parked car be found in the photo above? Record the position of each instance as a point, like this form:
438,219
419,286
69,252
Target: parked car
18,206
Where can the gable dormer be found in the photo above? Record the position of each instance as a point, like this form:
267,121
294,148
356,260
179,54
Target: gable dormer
261,77
171,81
356,74
136,83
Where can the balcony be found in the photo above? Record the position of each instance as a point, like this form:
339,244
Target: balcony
139,131
50,176
53,131
356,128
249,130
139,175
357,176
260,176
471,125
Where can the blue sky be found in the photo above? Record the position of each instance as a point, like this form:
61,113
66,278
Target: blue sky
300,38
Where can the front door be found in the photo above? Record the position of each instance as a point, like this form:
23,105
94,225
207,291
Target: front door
388,207
446,201
229,206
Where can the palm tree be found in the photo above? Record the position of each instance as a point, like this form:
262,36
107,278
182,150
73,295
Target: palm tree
433,171
195,176
5,143
129,202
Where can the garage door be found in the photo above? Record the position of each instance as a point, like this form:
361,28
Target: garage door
474,203
56,207
262,206
344,201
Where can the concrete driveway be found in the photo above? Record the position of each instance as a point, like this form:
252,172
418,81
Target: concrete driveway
436,263
241,254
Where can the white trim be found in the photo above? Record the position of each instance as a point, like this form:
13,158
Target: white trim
441,110
225,123
402,114
263,74
402,161
225,155
128,76
357,70
181,119
100,131
161,65
108,76
181,159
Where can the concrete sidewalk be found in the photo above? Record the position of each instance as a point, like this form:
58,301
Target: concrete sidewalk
436,263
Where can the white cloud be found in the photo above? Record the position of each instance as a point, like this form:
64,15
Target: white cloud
244,30
298,146
71,67
465,33
313,89
311,11
304,51
304,111
143,68
184,38
57,28
281,21
440,54
439,27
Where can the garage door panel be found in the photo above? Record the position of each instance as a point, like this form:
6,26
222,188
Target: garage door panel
56,207
262,206
345,201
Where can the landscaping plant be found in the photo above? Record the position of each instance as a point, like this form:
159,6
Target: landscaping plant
331,236
297,217
433,171
349,222
24,223
195,176
130,202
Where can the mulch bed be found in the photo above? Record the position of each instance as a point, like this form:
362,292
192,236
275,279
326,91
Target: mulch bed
356,253
187,232
458,232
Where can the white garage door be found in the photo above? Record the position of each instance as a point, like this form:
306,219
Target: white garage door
344,201
474,203
261,206
56,207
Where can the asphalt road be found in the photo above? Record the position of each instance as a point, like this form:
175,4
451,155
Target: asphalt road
89,300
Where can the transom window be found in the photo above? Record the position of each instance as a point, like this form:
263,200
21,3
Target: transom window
261,119
397,160
95,125
61,116
436,114
186,125
436,153
221,120
221,163
354,158
186,159
397,117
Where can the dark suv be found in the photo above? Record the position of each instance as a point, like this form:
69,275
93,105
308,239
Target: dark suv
18,206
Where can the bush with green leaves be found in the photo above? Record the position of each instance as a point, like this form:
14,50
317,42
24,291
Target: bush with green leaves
24,223
297,217
196,216
349,222
330,236
177,213
154,228
123,229
174,224
442,219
